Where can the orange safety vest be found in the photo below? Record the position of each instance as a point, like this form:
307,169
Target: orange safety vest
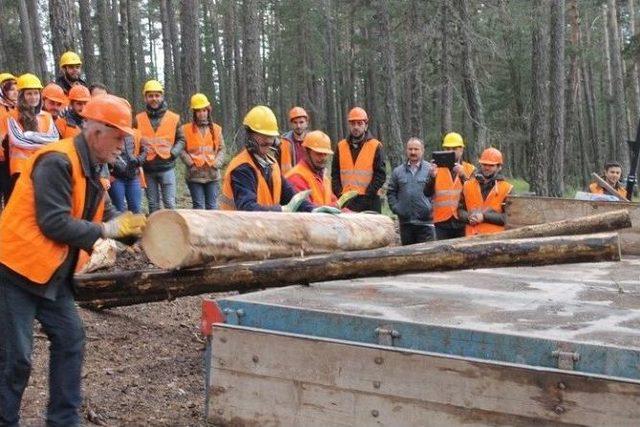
446,196
202,148
594,188
161,140
65,129
265,197
475,203
23,247
18,156
357,176
321,193
286,155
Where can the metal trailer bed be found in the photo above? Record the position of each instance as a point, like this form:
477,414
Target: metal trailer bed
554,345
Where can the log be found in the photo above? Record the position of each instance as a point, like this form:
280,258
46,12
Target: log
133,287
175,239
597,223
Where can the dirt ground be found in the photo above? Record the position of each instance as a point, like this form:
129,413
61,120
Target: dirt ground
143,366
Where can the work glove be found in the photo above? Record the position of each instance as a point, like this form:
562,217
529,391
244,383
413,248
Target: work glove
326,209
296,201
125,225
344,199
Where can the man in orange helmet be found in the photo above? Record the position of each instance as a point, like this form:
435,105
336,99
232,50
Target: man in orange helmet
57,209
310,172
291,150
482,201
359,165
70,123
54,101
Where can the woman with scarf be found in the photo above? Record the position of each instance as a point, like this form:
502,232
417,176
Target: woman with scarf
203,154
26,128
8,99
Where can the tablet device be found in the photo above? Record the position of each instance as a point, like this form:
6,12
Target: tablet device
444,159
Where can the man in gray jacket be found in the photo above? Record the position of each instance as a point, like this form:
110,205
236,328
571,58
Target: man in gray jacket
406,195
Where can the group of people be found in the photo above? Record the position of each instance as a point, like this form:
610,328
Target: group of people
66,145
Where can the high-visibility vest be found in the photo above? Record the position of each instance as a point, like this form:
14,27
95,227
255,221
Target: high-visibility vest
321,193
23,247
162,139
287,153
264,194
596,189
357,175
67,130
474,203
202,148
18,154
446,196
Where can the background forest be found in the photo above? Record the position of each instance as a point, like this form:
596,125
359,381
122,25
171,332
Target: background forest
554,84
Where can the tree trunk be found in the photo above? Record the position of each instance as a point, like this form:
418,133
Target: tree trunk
537,149
62,22
107,58
180,95
619,104
88,53
234,104
556,153
27,36
394,143
38,44
167,42
190,42
446,97
4,59
135,287
251,54
201,237
136,55
472,91
635,77
330,84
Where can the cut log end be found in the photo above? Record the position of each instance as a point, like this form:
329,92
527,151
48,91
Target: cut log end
165,239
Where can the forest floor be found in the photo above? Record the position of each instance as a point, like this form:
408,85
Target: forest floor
143,366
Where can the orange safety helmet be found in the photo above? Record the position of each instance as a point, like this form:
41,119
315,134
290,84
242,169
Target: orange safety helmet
54,93
491,156
79,93
296,112
110,110
357,113
317,141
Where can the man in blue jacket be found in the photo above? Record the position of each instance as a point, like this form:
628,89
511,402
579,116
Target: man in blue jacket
406,195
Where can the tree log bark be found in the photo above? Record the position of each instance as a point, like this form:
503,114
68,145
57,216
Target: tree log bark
185,238
118,289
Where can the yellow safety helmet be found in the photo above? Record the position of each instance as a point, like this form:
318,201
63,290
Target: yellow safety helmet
262,120
6,76
452,140
28,81
152,86
69,58
199,101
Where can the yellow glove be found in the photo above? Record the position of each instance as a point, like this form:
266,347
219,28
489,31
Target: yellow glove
125,225
296,201
344,199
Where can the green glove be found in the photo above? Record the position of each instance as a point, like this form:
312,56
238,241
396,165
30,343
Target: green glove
296,201
344,199
326,209
125,225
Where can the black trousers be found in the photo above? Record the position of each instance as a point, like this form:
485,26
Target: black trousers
448,232
415,233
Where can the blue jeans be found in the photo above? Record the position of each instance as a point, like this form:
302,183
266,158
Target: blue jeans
204,195
126,194
63,326
161,183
